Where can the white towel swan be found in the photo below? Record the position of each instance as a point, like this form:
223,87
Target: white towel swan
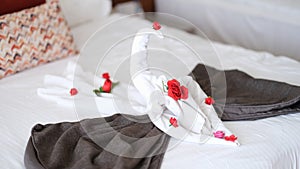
196,120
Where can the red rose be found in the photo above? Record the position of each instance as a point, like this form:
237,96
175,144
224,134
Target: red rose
73,91
105,75
107,86
184,92
230,138
173,122
209,101
156,26
174,89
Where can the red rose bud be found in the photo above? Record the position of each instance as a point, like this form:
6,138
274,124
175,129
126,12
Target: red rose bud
184,92
174,89
156,26
107,86
105,75
173,122
230,138
73,91
209,101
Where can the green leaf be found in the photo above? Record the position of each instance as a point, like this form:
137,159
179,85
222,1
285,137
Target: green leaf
97,92
114,84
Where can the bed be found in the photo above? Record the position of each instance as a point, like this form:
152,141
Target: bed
270,143
258,25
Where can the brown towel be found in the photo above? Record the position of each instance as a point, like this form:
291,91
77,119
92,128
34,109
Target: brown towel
246,98
116,142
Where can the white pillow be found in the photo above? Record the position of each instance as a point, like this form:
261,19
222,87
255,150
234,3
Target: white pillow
78,12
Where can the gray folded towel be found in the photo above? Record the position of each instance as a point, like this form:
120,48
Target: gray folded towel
239,96
118,141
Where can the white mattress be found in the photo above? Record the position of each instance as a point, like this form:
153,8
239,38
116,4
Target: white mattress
272,143
264,25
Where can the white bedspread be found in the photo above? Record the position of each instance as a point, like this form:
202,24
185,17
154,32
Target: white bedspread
272,143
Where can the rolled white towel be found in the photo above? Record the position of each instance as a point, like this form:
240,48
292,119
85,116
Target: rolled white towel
57,87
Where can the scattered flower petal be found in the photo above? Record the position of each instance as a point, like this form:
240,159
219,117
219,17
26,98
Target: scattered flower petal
156,26
73,91
209,100
230,138
219,134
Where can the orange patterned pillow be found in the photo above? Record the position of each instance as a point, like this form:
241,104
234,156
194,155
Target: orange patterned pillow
32,37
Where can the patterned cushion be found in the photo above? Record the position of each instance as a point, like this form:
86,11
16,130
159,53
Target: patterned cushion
32,37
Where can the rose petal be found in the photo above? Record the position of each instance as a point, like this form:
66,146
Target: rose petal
184,92
219,134
73,91
156,26
209,100
230,138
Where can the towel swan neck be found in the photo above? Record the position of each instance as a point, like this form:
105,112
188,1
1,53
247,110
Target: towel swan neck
141,75
139,50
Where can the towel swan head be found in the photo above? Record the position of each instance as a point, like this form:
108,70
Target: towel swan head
147,32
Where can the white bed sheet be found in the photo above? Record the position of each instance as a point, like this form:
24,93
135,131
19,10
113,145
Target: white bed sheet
272,143
264,25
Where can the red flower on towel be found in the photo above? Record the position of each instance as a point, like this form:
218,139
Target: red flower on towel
230,138
173,122
105,75
156,26
107,86
176,91
209,101
73,91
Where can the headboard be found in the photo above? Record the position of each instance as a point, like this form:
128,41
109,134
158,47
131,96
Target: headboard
9,6
147,5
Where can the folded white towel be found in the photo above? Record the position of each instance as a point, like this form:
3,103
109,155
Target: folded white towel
59,86
57,89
